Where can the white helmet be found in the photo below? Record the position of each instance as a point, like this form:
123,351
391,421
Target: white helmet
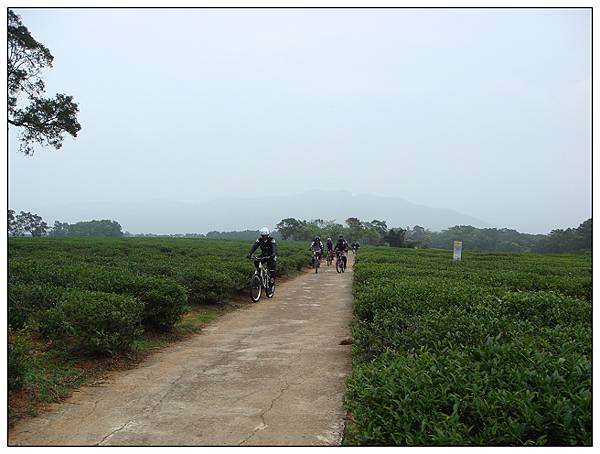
264,231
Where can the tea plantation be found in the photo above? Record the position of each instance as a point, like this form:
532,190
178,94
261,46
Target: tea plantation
493,350
94,296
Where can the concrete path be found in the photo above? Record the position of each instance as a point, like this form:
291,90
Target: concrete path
271,374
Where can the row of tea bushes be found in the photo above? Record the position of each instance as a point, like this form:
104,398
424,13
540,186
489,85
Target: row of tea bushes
165,274
494,350
210,270
31,282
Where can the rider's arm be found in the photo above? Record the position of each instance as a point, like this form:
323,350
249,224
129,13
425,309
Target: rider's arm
274,243
253,248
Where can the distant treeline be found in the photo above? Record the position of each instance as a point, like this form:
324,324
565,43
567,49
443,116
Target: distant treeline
375,232
506,240
28,224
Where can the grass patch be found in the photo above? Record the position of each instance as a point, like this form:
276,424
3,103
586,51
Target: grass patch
199,316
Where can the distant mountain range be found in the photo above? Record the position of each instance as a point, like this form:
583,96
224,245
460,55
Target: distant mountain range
237,213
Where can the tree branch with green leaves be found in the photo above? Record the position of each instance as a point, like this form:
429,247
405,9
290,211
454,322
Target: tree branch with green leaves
43,121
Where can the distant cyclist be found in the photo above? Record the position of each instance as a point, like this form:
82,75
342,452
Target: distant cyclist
342,248
329,245
268,248
317,246
355,246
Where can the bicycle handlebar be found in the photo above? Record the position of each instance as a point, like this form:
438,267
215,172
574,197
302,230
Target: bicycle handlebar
266,257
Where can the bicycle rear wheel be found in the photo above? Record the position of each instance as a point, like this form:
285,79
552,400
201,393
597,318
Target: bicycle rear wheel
256,288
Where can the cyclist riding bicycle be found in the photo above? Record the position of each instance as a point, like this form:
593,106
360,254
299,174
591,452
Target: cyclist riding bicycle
268,249
355,246
329,245
330,254
317,246
342,248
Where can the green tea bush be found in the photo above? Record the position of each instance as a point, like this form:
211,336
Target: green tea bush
208,286
27,300
545,308
95,322
495,394
19,350
493,350
165,301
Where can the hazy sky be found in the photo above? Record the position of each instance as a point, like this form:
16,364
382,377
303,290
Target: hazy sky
487,112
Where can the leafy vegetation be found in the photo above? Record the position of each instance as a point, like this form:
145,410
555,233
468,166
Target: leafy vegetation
25,222
95,322
492,350
43,120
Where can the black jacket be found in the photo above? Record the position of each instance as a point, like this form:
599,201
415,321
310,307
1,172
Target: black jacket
268,247
341,245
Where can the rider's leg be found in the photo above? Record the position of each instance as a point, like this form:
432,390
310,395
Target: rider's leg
271,264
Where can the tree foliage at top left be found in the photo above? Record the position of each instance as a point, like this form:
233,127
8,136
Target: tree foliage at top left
42,120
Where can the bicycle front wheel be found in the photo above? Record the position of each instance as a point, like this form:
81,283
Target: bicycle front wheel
256,288
339,265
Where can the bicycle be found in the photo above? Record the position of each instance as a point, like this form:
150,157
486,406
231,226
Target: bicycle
340,263
329,257
316,261
261,279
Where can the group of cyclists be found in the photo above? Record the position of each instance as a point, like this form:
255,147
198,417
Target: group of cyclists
268,248
340,249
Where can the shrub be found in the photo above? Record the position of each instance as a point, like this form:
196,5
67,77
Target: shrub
165,301
26,300
207,286
19,349
546,308
496,394
494,350
95,322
